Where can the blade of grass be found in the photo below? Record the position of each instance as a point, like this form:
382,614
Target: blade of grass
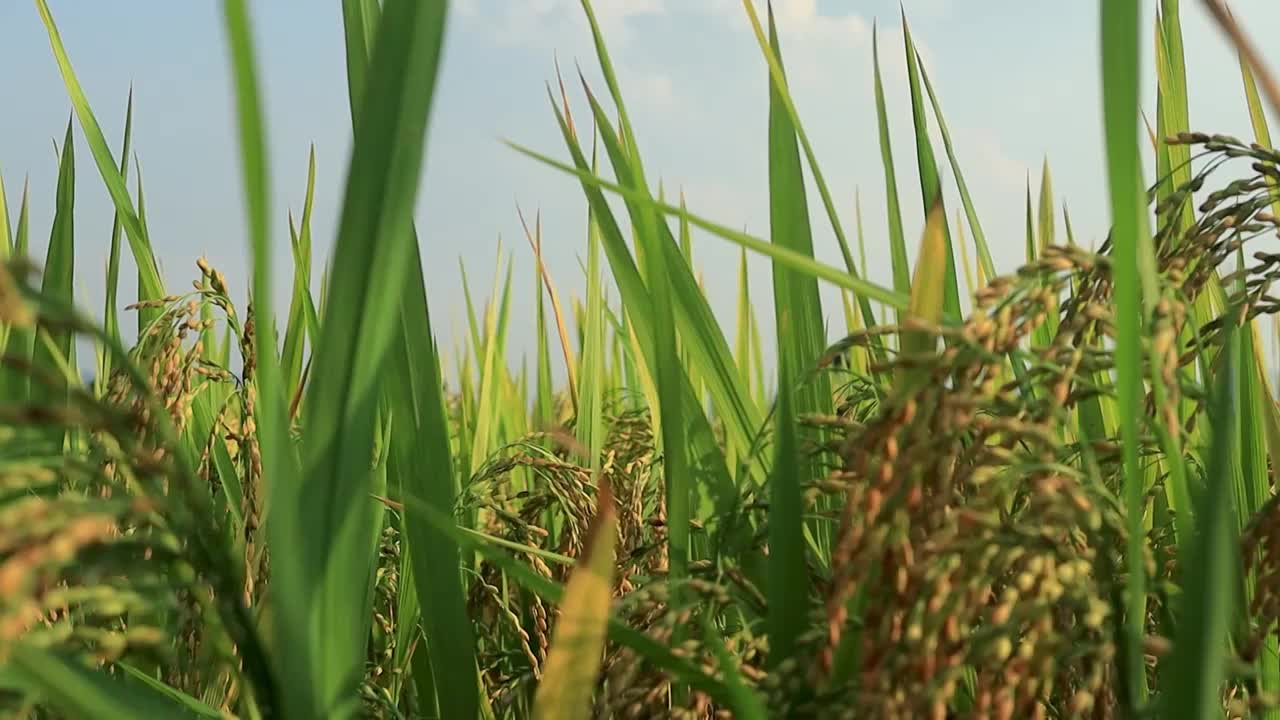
1165,178
403,69
295,333
801,341
1198,664
150,284
793,260
194,706
565,346
278,459
1256,433
757,357
1120,65
1177,116
83,693
788,580
965,263
862,240
670,381
109,311
897,240
326,546
477,344
744,702
485,438
590,415
19,339
21,232
545,400
671,289
146,316
359,25
797,304
58,276
6,251
6,231
422,466
1045,225
930,184
742,341
1042,336
779,85
1033,248
697,325
639,299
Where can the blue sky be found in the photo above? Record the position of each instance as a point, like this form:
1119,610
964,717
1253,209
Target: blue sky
1018,81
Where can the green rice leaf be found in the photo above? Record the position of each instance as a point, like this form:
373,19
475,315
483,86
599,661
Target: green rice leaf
150,285
698,329
897,239
1174,96
21,233
742,341
421,465
83,693
58,277
781,100
359,25
278,458
591,377
788,579
329,524
794,260
196,707
1033,248
110,313
6,231
930,184
296,327
1120,28
798,308
1211,565
644,311
18,340
801,341
1045,226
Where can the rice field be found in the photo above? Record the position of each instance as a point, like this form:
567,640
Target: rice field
1042,494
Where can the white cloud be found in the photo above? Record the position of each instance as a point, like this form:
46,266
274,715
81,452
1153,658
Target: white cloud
799,19
928,9
987,157
561,23
655,90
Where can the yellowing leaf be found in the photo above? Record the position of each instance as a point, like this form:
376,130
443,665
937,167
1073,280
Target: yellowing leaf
928,284
577,643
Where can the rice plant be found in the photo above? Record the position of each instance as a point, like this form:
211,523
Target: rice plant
1053,498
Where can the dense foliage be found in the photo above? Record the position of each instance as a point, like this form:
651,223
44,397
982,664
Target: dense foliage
1041,494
